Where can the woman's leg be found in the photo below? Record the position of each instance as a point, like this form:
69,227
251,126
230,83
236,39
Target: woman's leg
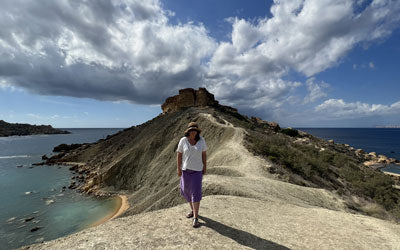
196,206
191,205
197,193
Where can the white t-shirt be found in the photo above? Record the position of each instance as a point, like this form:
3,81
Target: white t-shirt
192,154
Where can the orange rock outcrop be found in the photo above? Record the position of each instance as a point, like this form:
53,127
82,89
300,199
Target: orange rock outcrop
189,97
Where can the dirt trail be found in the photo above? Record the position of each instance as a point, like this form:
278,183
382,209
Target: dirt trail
246,176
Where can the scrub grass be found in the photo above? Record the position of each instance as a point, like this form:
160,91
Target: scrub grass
308,165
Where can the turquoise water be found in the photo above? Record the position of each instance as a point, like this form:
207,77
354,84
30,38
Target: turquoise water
37,191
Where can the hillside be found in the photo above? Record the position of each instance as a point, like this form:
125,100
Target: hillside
265,186
10,129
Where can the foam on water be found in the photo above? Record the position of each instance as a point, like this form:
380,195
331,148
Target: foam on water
13,156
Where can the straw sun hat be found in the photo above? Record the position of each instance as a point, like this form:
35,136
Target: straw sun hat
193,126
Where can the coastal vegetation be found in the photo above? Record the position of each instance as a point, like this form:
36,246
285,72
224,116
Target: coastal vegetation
305,160
321,165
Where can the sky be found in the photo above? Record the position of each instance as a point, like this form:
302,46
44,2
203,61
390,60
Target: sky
112,63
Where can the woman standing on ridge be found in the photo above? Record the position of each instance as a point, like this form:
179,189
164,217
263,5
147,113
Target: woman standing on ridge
192,165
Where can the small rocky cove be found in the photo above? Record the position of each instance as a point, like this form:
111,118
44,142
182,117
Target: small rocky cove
37,204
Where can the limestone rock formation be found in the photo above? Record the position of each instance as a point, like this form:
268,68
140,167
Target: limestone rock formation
259,121
189,97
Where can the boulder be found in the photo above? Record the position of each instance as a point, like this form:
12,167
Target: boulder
304,141
383,159
260,122
35,229
29,219
274,126
38,164
74,167
73,185
360,152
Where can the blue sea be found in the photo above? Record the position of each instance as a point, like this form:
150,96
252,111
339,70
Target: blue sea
384,141
32,196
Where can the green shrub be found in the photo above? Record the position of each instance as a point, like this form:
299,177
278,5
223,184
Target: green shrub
329,165
290,132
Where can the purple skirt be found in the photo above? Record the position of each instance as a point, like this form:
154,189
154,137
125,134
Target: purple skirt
191,185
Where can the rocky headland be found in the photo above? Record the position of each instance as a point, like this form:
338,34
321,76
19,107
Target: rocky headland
10,129
266,187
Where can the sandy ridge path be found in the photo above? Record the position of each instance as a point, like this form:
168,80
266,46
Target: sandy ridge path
256,182
237,155
231,222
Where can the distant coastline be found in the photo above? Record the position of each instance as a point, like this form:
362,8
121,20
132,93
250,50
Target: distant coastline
388,126
10,129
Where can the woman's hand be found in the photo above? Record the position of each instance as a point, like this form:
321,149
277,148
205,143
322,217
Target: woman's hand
179,163
204,160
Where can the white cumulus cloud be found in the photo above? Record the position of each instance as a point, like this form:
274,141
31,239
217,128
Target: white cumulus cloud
128,50
107,50
338,108
316,90
307,36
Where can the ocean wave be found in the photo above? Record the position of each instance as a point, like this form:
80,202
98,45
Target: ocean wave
14,156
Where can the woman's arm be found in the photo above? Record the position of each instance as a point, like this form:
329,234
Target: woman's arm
179,163
204,158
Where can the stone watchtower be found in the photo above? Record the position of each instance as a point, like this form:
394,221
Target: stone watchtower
187,98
